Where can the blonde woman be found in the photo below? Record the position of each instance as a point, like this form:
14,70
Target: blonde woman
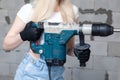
33,67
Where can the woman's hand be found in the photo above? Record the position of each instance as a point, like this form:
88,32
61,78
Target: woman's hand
31,33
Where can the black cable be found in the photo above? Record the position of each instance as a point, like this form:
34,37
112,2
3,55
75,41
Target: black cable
49,72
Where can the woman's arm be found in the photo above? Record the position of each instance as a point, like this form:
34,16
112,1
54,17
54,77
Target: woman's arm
70,44
13,39
70,47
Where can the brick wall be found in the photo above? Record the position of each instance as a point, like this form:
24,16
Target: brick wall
105,53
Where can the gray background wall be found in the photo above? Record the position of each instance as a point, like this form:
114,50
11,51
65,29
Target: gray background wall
104,63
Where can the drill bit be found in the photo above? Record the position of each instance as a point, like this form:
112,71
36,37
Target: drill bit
116,29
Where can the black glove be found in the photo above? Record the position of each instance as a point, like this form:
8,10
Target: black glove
31,32
82,53
84,56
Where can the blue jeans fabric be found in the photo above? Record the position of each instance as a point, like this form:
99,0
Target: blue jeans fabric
36,69
56,72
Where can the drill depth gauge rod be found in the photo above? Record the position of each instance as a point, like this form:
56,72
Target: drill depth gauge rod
56,36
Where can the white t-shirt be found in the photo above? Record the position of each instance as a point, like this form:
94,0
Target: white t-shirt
26,12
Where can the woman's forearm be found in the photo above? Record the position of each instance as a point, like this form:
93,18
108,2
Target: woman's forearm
13,38
11,42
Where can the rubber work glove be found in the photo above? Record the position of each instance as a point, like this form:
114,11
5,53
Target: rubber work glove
31,33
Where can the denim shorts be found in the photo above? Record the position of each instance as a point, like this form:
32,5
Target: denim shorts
36,69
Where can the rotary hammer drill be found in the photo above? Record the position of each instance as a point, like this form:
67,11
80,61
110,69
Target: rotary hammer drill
56,36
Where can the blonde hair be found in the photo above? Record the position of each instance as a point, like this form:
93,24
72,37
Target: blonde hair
43,9
67,12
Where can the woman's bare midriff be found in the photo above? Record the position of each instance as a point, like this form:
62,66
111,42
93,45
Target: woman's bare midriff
34,55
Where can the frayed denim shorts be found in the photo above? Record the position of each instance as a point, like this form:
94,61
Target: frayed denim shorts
36,69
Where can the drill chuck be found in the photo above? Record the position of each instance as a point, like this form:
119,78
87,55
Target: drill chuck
102,30
97,29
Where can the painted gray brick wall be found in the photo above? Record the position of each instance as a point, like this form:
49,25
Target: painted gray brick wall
104,63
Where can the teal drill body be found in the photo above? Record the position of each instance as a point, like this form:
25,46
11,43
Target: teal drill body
54,48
